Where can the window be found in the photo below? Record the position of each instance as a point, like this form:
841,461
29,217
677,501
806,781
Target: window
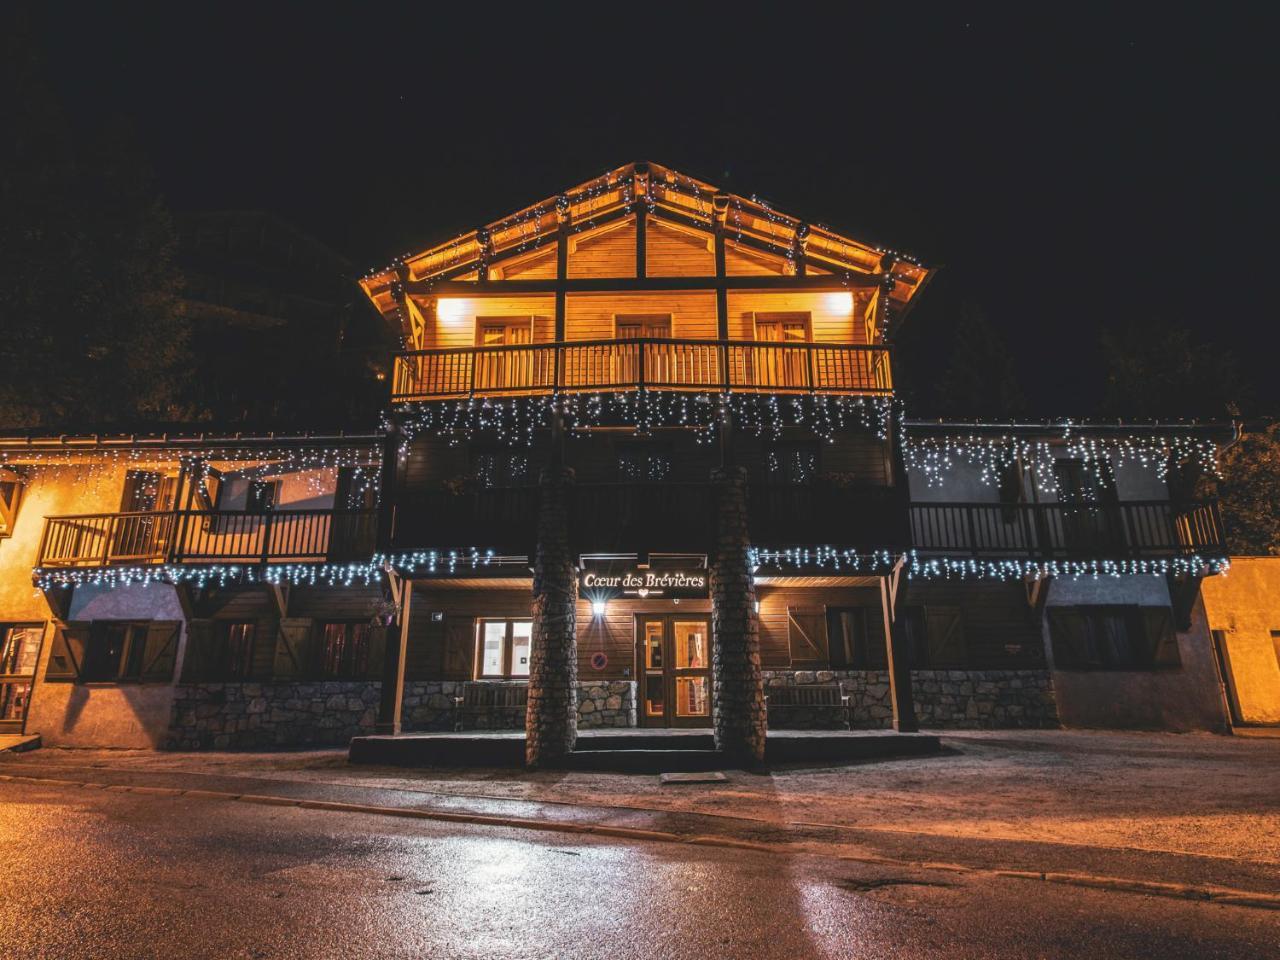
263,495
127,650
344,649
233,654
641,462
11,484
1275,642
357,488
932,636
792,463
1113,638
785,362
146,491
655,326
19,653
500,468
856,639
503,649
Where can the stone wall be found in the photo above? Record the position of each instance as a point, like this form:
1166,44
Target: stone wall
956,699
223,716
240,716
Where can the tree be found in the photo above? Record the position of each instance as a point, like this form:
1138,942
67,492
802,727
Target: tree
1156,372
91,327
1250,493
981,377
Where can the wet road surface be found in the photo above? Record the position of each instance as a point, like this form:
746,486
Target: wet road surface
97,873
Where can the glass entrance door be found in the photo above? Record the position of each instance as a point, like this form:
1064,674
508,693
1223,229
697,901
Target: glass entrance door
673,659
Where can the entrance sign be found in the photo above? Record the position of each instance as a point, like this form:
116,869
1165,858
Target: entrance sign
635,582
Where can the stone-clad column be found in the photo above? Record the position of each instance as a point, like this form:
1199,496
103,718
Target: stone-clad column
737,686
551,723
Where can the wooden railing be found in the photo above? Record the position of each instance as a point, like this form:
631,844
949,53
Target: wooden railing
694,365
1126,529
202,536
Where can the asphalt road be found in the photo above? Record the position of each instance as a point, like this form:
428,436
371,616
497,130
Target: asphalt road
97,873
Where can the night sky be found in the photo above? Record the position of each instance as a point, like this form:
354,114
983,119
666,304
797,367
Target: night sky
1066,174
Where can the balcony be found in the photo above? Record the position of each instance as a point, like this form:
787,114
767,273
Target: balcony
642,364
1136,529
202,536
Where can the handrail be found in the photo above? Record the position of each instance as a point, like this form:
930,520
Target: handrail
1119,529
660,363
206,536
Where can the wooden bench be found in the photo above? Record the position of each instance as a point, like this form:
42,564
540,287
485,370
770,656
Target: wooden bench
826,697
506,701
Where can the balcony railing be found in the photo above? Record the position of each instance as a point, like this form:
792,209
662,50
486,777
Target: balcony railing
605,365
1052,531
203,536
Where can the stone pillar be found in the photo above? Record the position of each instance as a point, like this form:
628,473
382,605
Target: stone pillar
738,712
551,723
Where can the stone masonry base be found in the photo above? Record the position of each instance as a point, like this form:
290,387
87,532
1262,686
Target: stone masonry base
240,716
945,699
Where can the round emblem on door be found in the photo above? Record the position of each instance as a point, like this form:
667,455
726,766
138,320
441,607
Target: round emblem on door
599,661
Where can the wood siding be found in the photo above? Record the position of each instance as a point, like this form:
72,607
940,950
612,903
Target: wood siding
610,252
673,253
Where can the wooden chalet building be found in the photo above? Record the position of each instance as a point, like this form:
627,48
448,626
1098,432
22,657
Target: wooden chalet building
642,466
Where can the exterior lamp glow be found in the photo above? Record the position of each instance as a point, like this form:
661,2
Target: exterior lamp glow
598,606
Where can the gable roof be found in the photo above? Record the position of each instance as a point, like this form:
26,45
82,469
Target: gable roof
669,196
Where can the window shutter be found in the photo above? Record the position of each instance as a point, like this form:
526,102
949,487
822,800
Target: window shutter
807,635
1067,632
161,651
197,664
293,648
1161,638
66,656
944,628
459,649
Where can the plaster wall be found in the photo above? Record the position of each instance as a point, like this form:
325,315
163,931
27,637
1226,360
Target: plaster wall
1245,605
117,714
1183,699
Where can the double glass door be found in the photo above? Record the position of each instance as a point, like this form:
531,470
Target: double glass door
673,659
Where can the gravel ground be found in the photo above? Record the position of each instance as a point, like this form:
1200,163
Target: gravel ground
1196,794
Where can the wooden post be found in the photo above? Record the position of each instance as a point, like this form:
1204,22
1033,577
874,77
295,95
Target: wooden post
565,219
800,248
641,202
904,707
392,701
719,216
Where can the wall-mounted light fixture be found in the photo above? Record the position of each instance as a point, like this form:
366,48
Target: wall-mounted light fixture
598,607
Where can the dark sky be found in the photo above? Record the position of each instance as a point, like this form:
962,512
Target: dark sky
1093,169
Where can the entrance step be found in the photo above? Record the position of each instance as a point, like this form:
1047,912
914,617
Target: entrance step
647,740
645,761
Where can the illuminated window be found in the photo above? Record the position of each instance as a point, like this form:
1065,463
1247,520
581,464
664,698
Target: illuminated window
503,649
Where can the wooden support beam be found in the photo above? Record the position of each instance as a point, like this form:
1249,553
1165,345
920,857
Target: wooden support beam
565,218
391,703
642,218
720,212
900,693
387,490
1183,592
280,594
504,288
186,600
798,251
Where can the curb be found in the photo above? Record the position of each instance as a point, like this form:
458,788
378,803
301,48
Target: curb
1178,891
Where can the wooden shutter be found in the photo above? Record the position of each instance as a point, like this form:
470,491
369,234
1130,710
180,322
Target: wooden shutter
807,635
293,648
1161,639
1067,633
11,485
66,655
459,648
944,628
197,664
161,651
